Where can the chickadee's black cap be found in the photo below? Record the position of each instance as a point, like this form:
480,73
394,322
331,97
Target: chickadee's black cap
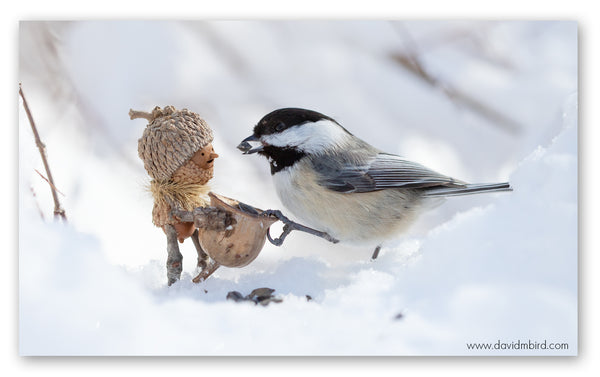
281,119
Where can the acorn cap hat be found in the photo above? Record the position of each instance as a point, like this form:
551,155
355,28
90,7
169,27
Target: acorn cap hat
170,139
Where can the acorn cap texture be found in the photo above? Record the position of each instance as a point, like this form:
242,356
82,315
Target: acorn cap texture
170,139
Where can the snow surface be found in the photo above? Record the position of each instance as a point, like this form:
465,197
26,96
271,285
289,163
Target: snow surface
491,268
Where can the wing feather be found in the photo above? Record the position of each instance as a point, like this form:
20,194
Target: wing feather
383,171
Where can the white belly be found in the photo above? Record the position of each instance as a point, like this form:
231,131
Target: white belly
360,217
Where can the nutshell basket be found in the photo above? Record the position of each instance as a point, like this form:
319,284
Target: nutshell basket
241,242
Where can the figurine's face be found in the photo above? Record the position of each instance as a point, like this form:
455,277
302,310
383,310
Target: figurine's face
205,157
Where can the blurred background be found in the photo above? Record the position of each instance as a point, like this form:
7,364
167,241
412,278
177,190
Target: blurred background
468,99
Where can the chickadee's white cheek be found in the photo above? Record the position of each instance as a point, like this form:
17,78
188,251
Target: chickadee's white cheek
309,137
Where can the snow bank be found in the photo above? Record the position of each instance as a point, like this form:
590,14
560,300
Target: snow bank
506,271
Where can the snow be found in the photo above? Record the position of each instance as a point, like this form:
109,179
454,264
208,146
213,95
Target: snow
499,267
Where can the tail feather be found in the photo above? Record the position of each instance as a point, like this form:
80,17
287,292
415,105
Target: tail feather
468,189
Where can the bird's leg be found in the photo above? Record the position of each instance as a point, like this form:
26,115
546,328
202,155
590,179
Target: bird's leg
376,252
174,257
289,225
279,241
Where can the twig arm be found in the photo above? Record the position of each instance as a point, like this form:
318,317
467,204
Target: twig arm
211,218
183,216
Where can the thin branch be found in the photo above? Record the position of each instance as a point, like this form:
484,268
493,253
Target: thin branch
410,61
50,183
412,64
58,210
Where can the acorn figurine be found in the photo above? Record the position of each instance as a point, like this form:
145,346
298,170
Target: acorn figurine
176,148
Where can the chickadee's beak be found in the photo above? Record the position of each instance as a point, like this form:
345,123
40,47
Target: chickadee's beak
246,145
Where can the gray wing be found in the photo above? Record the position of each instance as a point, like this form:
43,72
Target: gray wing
383,171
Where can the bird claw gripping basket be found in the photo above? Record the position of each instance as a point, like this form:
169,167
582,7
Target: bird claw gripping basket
176,148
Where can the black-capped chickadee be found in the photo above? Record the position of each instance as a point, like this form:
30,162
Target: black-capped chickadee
338,183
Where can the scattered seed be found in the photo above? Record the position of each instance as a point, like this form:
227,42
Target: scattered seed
235,296
263,296
261,292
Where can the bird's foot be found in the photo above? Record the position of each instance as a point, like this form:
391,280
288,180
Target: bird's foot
375,253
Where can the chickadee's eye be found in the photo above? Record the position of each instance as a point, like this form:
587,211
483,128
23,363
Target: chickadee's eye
280,126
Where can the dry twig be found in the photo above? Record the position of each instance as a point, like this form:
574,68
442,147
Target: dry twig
58,210
410,60
50,183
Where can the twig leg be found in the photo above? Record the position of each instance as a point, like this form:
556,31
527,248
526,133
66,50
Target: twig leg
376,252
174,257
206,265
202,256
206,272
